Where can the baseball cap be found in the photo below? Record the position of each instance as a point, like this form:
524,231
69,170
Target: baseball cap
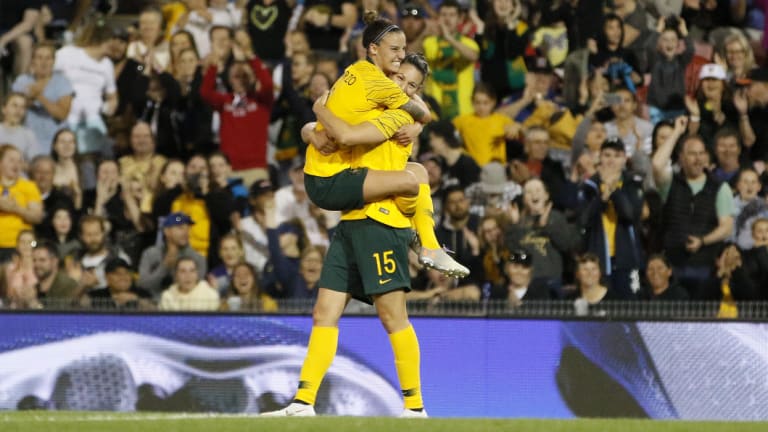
260,187
116,263
520,257
712,70
538,64
613,143
411,10
176,219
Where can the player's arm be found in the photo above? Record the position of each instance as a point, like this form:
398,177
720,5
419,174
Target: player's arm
370,132
418,109
318,139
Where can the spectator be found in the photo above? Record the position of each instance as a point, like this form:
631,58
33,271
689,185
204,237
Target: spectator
749,205
439,288
728,159
181,41
608,53
611,206
18,282
150,49
732,282
131,83
518,285
543,233
144,163
106,199
660,284
713,108
120,292
231,253
92,75
444,141
244,114
666,92
325,22
589,281
539,164
222,179
634,27
698,210
54,288
502,35
484,131
20,201
737,53
42,173
253,230
752,105
96,251
12,129
493,193
49,94
72,174
243,292
262,27
292,202
586,156
756,259
195,116
159,112
451,57
63,234
158,262
414,22
457,233
437,182
492,248
189,292
17,21
633,130
195,23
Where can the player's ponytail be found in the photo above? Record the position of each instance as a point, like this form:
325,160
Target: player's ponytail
376,28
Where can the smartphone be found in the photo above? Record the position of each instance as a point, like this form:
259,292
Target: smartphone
612,98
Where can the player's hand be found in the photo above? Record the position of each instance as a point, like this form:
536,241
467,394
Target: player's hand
407,134
323,143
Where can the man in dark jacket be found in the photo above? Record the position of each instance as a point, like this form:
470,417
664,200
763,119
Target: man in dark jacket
612,201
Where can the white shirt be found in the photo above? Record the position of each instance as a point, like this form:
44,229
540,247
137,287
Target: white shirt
255,243
91,79
202,297
287,208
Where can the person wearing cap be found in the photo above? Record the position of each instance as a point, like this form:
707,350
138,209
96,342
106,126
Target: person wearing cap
752,105
444,141
253,230
712,108
92,76
120,292
698,209
414,24
50,94
611,203
158,262
493,193
451,57
519,285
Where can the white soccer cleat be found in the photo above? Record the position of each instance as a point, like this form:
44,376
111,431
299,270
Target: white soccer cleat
409,413
292,410
439,260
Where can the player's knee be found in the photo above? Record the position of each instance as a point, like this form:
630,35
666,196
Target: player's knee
418,171
409,185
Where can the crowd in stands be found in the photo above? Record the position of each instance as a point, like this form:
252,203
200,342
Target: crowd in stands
151,153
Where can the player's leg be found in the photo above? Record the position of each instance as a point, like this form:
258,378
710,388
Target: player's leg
323,340
421,211
381,254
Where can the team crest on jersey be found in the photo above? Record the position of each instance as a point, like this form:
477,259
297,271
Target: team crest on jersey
383,210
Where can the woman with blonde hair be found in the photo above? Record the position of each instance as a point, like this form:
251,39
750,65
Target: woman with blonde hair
737,54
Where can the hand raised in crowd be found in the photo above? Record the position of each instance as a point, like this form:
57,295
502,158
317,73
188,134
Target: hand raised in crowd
681,125
243,47
740,101
513,213
88,279
171,255
544,215
728,261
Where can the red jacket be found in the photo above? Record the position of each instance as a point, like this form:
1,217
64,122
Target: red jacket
244,120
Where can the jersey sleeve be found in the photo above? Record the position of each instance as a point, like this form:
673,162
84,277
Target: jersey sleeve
383,91
391,120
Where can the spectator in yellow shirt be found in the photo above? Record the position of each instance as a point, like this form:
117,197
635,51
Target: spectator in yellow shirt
20,203
485,131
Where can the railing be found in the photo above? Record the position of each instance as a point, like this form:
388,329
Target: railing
613,310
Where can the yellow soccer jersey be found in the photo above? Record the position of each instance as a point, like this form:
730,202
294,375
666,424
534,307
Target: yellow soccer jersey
483,136
388,156
358,96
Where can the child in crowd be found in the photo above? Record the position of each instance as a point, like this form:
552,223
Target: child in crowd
666,92
484,131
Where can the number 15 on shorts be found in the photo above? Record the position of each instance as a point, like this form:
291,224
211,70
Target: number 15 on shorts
384,262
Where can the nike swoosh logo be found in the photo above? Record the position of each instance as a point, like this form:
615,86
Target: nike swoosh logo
384,281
